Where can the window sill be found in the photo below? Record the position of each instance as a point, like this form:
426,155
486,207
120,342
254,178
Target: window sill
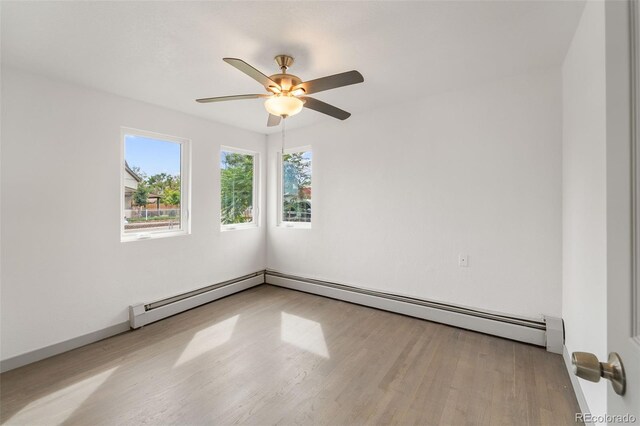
238,227
144,236
295,225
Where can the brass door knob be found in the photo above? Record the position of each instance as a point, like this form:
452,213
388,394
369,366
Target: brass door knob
587,366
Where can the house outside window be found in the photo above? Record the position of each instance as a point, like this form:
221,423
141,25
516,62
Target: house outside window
295,188
154,185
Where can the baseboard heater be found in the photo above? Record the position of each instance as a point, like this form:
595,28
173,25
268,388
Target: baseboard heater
520,329
143,314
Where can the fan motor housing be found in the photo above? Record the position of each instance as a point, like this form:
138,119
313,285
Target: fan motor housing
286,81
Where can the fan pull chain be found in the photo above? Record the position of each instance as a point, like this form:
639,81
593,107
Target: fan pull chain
284,120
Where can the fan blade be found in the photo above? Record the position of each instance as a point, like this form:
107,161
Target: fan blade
325,108
230,98
251,72
330,82
273,120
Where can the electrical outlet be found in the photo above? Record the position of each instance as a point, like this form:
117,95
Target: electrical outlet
463,260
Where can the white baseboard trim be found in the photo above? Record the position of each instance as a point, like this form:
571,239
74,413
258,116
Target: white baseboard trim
575,383
58,348
498,325
166,308
143,314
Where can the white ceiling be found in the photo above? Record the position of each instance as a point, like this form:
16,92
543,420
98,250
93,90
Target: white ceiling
169,53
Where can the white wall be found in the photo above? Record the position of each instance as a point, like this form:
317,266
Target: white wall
65,272
399,193
584,289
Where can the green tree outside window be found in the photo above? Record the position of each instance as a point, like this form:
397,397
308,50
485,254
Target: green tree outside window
236,184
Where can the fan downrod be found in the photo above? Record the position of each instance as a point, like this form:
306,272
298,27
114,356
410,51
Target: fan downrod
284,62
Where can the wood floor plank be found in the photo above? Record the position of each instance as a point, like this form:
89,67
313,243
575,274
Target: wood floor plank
275,356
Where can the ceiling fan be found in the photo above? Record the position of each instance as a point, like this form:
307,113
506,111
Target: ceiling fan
287,93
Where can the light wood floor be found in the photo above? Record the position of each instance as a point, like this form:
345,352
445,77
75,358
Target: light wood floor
276,356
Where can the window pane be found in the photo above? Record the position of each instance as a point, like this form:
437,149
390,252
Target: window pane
236,187
296,187
152,178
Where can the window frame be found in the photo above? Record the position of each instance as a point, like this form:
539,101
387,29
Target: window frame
185,185
281,222
255,194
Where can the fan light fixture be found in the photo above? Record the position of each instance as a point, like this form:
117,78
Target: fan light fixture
283,105
287,93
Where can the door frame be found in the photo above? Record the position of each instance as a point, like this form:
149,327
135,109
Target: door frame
623,224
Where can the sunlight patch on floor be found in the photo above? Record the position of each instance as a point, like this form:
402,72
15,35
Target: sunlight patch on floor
56,407
304,333
207,339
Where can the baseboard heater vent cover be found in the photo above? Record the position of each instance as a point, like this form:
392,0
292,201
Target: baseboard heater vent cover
146,313
520,329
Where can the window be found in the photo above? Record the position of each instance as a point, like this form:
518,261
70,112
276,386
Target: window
295,203
237,188
154,185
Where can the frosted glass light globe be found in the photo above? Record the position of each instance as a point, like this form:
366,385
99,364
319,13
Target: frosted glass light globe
283,105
